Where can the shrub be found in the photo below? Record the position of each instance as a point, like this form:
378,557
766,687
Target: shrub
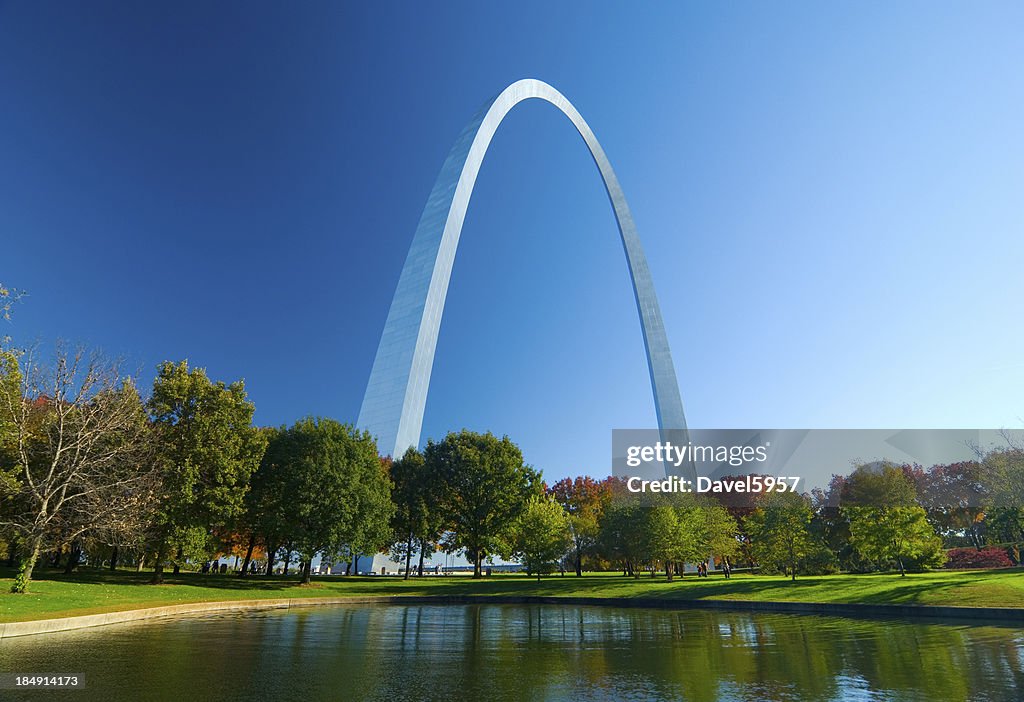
990,557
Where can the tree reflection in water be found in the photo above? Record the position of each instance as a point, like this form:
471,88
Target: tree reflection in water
531,653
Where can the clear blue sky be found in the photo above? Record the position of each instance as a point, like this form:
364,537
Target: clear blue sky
831,199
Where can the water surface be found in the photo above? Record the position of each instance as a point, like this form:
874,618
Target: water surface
528,653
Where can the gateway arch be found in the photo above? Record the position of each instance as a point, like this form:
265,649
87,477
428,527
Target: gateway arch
396,393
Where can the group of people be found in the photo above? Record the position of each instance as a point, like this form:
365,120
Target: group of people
702,569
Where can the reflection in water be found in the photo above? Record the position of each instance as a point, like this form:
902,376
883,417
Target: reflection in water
529,653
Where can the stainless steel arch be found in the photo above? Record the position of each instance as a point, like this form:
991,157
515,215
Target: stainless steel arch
396,394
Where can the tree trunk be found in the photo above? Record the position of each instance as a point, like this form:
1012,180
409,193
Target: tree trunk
142,562
74,557
113,558
248,555
158,565
903,572
271,552
408,555
478,558
28,564
287,560
177,560
307,572
579,562
669,568
419,571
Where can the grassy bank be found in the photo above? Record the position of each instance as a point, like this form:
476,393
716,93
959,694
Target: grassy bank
91,592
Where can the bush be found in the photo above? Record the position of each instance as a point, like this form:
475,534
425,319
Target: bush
990,557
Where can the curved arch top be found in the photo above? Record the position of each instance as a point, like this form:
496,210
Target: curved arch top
396,393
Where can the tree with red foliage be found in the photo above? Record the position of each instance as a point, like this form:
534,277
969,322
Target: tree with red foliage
990,557
584,499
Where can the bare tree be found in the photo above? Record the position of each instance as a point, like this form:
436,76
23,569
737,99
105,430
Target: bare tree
79,436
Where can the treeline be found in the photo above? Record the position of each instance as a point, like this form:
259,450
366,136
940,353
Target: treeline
91,468
879,517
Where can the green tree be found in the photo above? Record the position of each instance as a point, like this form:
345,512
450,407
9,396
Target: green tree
265,514
878,485
208,450
369,506
333,486
780,532
895,533
1003,477
881,484
620,538
739,506
485,486
662,536
723,533
414,495
539,537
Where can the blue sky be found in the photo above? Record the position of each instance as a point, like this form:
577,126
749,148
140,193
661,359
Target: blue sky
830,199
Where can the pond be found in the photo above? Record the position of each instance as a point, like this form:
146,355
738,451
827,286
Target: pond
528,653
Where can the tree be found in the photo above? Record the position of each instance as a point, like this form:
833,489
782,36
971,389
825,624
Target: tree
620,537
539,537
780,532
739,505
723,532
76,433
8,298
417,522
879,484
672,531
485,486
1003,477
663,538
584,500
334,486
207,448
894,533
265,516
955,499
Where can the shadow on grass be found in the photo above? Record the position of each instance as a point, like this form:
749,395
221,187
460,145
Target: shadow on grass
857,589
96,576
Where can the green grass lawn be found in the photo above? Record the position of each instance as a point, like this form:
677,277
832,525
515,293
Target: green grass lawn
92,591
